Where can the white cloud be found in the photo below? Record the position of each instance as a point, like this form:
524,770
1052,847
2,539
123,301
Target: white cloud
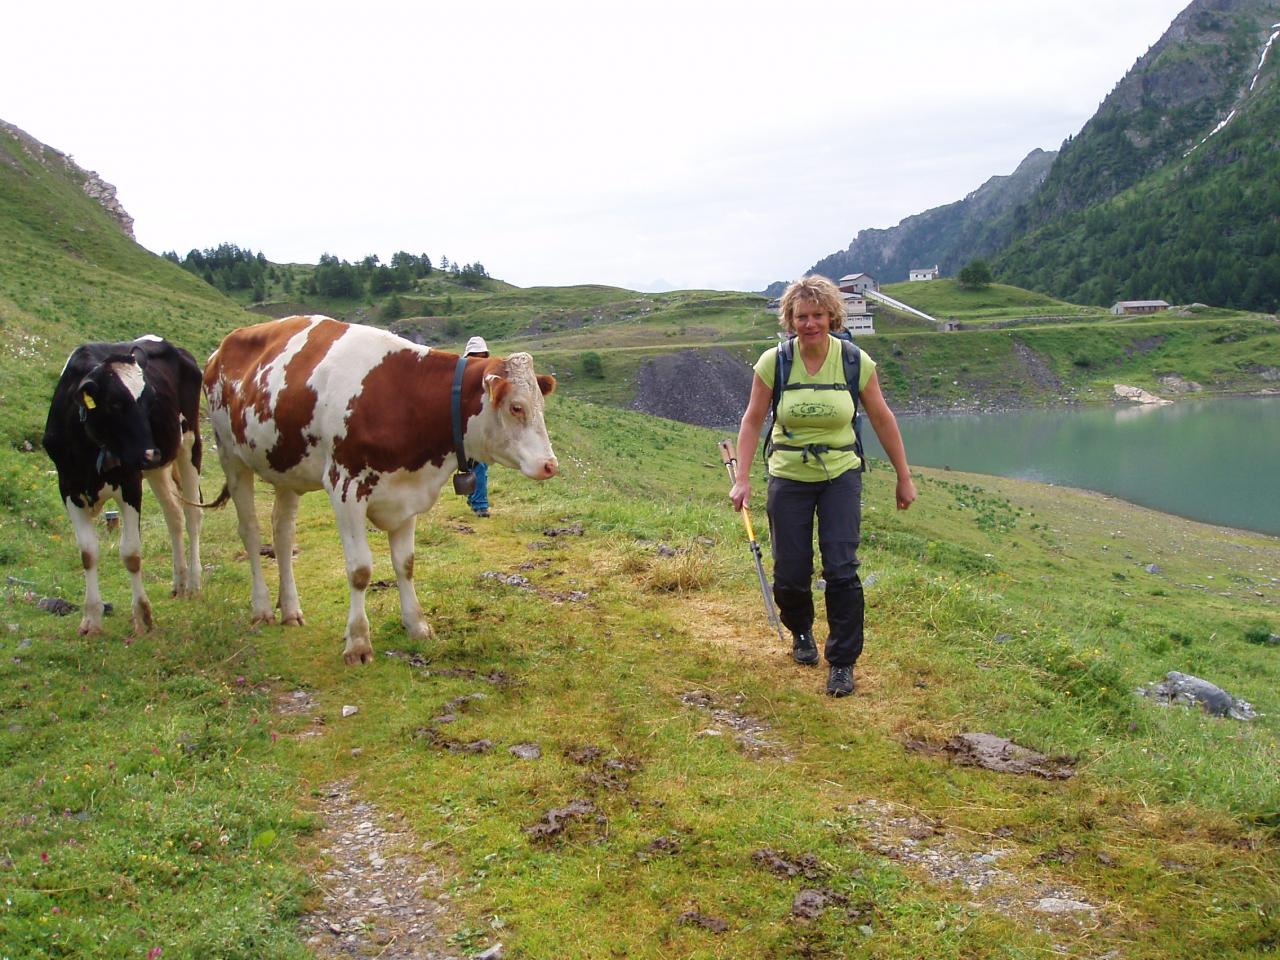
709,144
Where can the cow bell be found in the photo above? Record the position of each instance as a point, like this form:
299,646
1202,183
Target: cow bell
464,483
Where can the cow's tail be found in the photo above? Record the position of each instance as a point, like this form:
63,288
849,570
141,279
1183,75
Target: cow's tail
223,497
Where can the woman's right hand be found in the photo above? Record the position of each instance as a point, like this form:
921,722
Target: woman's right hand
740,493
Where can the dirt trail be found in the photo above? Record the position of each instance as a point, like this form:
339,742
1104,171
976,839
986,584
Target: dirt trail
372,875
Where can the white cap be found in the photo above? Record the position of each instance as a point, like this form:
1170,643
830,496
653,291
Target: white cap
475,345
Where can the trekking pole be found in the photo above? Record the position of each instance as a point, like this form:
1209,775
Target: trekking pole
730,458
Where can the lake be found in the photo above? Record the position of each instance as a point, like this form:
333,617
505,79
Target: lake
1211,460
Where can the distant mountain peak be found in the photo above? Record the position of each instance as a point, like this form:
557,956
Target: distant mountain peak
1168,191
949,235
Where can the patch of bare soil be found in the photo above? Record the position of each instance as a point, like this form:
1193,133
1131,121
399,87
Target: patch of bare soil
750,733
1144,345
945,859
521,582
704,387
373,882
1036,367
732,625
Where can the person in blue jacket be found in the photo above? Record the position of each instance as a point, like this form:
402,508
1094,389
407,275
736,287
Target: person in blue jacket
478,500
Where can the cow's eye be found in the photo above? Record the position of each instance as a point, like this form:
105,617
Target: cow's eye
517,410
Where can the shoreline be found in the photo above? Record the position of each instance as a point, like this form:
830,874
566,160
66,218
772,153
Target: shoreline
927,408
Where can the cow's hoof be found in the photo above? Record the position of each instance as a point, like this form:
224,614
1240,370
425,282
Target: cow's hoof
293,620
142,619
89,628
262,618
354,655
420,631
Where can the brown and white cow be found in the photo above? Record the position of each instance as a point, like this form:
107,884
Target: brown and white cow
310,403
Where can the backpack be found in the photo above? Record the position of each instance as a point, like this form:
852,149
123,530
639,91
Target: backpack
852,374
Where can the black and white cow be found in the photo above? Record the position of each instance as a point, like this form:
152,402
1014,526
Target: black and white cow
121,412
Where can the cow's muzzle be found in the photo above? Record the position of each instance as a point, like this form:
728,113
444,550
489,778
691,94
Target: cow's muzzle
549,469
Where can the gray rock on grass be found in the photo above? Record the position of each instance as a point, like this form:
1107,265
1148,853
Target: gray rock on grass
1186,690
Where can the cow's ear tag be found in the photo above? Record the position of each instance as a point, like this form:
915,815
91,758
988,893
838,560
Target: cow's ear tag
88,400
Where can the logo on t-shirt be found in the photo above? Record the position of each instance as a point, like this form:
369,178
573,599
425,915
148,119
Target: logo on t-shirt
811,409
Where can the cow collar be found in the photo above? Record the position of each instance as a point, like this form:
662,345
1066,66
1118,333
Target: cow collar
464,481
106,459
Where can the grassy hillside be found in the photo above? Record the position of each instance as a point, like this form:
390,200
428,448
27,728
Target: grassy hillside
155,797
1074,361
171,794
947,299
1016,346
68,274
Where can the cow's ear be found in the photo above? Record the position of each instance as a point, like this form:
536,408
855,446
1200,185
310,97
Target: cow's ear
496,386
88,393
139,357
546,384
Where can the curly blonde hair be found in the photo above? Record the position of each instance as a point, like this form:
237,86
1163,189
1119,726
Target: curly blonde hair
822,292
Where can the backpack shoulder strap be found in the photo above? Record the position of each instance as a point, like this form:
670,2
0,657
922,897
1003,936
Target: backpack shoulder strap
853,380
781,371
852,370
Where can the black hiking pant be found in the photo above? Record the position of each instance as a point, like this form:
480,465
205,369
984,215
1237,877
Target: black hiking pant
837,504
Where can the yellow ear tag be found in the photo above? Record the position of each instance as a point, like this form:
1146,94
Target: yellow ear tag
88,400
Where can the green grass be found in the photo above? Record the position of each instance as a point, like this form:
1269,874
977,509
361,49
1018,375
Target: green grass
152,797
946,298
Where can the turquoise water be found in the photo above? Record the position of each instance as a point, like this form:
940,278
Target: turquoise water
1211,460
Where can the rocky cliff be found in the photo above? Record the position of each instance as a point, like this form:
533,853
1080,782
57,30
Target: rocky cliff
93,185
947,236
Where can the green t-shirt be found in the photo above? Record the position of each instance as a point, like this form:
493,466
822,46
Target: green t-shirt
814,416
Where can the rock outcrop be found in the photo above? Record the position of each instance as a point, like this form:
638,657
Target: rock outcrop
1138,395
94,186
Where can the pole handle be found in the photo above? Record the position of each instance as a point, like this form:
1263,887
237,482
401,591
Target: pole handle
730,459
727,453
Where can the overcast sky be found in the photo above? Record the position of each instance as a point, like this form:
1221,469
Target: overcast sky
690,144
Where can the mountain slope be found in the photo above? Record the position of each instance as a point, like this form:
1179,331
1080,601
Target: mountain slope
1167,192
945,235
1157,198
71,272
1174,95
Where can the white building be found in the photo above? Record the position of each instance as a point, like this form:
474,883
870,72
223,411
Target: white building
857,283
857,314
1124,307
924,273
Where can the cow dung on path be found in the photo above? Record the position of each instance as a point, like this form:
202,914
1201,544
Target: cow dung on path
996,753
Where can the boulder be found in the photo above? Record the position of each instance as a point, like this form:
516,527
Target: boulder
1137,395
1186,690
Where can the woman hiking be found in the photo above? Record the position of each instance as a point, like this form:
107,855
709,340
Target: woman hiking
815,469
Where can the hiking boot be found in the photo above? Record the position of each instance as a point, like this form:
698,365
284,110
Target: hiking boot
481,512
803,649
840,681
